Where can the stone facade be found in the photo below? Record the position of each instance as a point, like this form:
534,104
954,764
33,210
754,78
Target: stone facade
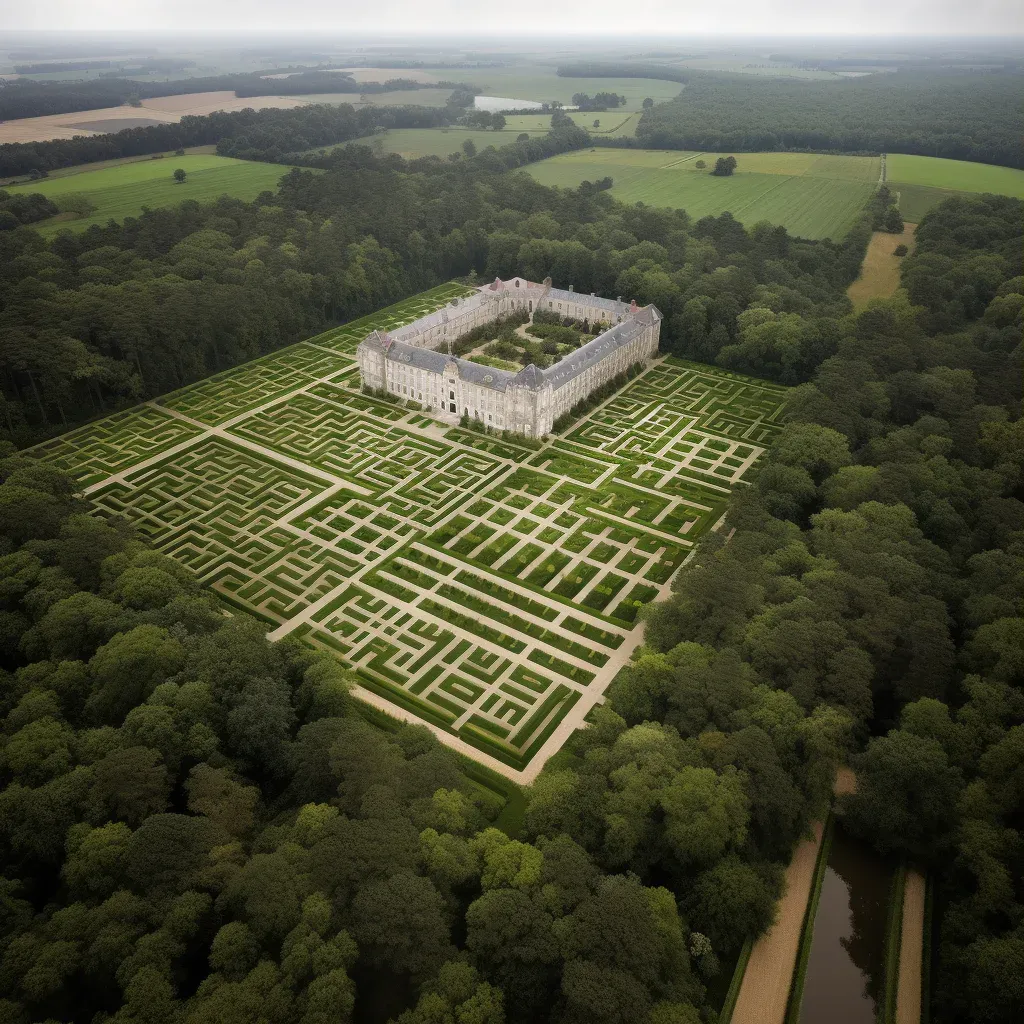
412,362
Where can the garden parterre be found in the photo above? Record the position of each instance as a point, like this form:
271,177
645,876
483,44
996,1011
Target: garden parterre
487,587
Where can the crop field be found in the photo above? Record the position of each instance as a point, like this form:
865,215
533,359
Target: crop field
812,196
956,175
480,586
123,190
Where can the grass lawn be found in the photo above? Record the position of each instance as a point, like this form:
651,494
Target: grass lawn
958,175
123,190
812,196
917,200
880,273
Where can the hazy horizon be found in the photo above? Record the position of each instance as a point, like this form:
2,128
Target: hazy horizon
448,18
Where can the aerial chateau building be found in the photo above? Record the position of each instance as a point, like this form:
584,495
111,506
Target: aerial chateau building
415,362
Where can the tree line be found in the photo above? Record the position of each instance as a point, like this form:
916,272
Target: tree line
958,115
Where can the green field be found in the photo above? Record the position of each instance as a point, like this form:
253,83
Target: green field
125,189
958,175
812,196
925,181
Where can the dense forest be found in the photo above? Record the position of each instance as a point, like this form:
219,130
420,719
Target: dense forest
198,825
961,114
105,317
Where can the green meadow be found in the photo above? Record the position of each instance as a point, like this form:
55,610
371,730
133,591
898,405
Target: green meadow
811,195
125,189
925,181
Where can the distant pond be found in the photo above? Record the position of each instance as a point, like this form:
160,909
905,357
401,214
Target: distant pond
495,104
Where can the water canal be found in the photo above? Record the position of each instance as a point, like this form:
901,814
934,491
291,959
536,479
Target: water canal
846,968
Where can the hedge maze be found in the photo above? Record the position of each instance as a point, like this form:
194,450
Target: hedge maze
486,586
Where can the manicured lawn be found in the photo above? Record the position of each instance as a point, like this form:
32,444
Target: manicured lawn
125,189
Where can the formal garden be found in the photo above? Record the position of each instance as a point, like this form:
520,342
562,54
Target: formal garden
485,585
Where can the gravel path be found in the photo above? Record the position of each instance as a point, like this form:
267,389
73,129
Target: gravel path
908,991
765,989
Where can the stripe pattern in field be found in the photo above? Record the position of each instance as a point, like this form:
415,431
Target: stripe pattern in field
487,587
812,196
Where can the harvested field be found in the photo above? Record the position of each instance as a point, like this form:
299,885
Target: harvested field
158,110
880,271
908,992
383,74
765,990
117,124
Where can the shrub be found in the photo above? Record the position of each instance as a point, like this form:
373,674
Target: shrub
900,250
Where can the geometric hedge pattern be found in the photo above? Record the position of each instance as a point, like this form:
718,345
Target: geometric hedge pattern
487,586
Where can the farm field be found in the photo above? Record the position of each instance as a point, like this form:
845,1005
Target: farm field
812,196
123,190
955,175
165,109
486,588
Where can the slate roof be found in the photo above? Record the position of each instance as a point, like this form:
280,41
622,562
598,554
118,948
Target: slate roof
603,345
557,375
428,359
564,295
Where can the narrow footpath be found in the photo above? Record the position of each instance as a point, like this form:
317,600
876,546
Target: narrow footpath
908,989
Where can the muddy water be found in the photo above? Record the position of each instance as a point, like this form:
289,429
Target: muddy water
845,972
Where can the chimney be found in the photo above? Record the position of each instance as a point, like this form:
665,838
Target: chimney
633,306
570,287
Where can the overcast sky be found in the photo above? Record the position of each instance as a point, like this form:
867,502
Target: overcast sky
664,17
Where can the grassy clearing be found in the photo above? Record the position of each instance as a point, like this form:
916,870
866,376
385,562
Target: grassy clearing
123,190
880,272
958,175
812,196
917,200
